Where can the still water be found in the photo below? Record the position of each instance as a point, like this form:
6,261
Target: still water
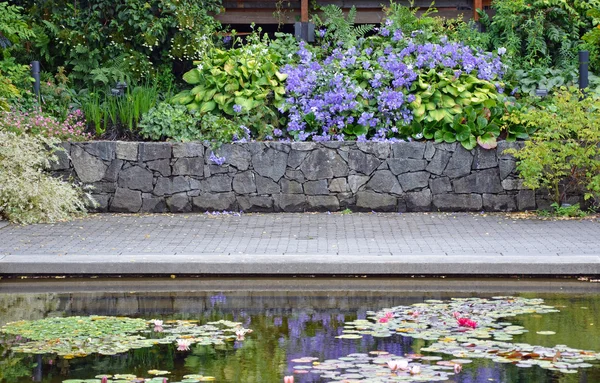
290,319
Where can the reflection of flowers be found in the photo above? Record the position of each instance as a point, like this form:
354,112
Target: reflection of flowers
457,368
183,344
386,317
241,333
158,325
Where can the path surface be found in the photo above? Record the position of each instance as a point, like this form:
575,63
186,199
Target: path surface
309,243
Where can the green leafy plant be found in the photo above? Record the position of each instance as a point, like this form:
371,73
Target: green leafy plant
427,27
339,27
566,210
167,121
562,156
27,193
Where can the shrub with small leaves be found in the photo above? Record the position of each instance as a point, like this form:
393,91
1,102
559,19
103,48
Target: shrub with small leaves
27,193
172,122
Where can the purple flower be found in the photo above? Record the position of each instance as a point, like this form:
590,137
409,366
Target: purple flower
237,108
322,32
216,159
397,35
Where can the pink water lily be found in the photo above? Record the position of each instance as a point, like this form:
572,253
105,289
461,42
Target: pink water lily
415,369
158,325
457,368
288,379
183,344
401,364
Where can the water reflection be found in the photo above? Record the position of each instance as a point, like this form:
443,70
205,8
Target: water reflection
287,325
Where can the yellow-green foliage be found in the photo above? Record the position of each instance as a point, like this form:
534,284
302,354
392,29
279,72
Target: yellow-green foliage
27,193
563,155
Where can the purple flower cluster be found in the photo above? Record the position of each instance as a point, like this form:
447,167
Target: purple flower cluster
364,91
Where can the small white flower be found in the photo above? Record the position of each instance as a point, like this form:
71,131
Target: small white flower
501,51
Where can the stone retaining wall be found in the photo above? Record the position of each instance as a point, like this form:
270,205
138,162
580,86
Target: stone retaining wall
299,176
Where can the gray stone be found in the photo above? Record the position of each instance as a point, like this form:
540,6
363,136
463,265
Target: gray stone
332,144
255,147
188,149
154,205
440,185
355,182
126,201
512,184
168,186
316,187
414,181
457,202
405,165
236,155
495,202
380,150
189,166
419,201
295,175
438,162
367,201
270,163
362,162
447,147
99,204
266,185
291,187
104,150
323,203
384,181
244,183
526,200
304,146
195,184
322,164
543,202
295,158
218,183
104,187
215,201
127,150
484,158
506,167
112,173
281,146
150,151
163,167
255,203
62,157
460,163
290,202
343,152
210,170
503,145
429,150
346,200
179,203
412,149
483,181
338,185
88,168
136,178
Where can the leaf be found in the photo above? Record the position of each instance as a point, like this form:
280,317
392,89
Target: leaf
470,143
192,77
208,106
437,114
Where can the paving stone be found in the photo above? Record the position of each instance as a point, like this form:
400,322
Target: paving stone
126,150
414,150
440,185
384,181
419,201
362,162
356,181
126,201
291,187
482,181
88,168
215,202
244,183
169,186
406,165
189,166
494,202
290,202
370,201
163,167
323,164
438,162
338,185
484,158
266,185
459,164
316,187
457,202
136,178
414,181
188,149
323,203
179,203
270,163
150,151
255,203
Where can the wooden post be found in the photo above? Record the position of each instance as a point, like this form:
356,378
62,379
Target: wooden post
477,4
304,11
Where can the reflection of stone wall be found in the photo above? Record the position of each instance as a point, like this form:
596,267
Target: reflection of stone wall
299,176
15,307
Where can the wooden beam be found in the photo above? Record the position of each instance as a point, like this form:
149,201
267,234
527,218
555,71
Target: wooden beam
304,11
477,4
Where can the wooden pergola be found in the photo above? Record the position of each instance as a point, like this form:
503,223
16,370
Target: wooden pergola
369,11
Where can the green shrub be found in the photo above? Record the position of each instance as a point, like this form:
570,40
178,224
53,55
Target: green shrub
173,122
563,155
27,193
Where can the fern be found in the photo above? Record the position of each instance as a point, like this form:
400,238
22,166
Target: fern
340,28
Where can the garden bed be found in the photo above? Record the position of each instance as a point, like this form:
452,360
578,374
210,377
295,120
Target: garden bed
300,176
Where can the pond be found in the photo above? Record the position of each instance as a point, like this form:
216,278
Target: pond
292,319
